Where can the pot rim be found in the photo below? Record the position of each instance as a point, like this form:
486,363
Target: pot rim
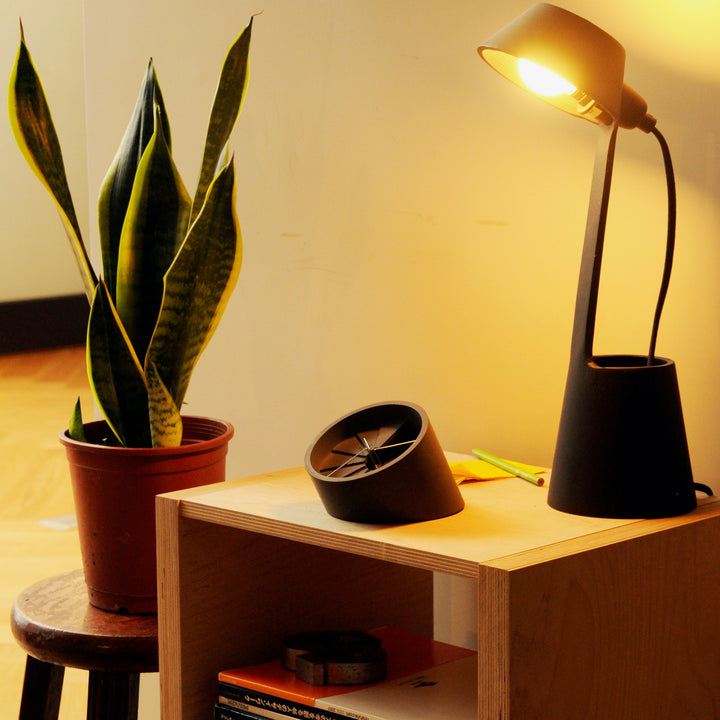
202,431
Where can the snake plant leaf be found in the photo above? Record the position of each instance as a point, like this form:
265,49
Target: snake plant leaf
37,138
197,286
229,97
75,427
165,422
154,228
118,183
116,376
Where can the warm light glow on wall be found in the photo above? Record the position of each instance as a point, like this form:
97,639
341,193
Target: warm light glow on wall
688,30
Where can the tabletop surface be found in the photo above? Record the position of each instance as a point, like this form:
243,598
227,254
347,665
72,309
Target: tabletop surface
502,519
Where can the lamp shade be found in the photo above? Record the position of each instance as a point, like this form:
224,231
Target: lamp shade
586,57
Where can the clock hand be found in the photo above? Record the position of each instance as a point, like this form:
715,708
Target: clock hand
394,445
372,455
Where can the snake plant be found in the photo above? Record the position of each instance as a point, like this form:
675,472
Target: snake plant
169,262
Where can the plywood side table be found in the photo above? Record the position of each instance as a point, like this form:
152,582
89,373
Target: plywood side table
581,618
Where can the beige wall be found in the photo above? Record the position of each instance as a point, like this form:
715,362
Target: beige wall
413,223
35,257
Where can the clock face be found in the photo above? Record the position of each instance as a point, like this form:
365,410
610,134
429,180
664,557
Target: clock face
368,449
366,441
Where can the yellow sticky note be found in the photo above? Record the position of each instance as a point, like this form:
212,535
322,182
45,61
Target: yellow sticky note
481,470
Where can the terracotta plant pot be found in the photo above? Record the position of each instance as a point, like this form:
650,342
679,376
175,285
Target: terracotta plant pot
114,490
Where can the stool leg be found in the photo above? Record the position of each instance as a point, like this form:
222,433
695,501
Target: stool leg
113,696
41,690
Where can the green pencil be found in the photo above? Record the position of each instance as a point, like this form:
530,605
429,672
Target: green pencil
497,462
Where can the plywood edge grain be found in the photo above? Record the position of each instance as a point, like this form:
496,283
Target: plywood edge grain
493,643
169,625
421,559
706,511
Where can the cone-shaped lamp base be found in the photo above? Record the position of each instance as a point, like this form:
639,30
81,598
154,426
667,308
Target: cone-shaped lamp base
622,450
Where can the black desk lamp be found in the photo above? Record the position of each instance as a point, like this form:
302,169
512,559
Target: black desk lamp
621,450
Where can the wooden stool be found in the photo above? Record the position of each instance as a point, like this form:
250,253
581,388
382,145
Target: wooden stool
56,625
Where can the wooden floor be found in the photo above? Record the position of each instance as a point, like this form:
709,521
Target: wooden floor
37,392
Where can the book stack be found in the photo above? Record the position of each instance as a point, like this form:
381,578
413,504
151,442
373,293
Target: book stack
425,678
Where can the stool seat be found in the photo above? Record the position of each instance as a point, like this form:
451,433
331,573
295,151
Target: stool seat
53,621
55,624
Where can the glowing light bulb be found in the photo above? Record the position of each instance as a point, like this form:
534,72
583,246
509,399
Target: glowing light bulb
543,81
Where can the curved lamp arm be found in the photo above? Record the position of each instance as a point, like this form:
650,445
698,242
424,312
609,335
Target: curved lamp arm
670,244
